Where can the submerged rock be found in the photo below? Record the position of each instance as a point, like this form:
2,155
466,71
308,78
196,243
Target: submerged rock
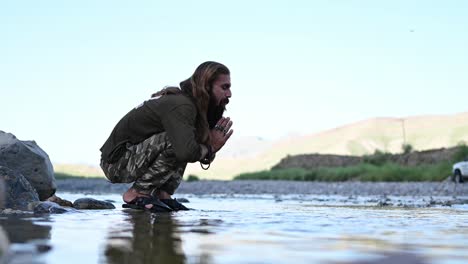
48,208
18,191
91,203
27,158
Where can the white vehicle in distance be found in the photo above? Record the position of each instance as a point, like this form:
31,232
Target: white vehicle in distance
460,171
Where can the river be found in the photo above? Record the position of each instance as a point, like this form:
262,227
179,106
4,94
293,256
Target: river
246,229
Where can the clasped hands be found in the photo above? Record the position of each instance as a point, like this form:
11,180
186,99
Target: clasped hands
221,133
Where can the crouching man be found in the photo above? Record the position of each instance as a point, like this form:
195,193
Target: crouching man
152,144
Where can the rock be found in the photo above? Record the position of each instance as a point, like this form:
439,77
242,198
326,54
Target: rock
60,201
182,200
384,201
460,201
49,208
90,203
2,193
18,191
31,161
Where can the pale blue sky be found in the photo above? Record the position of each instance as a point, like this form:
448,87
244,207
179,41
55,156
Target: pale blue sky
69,70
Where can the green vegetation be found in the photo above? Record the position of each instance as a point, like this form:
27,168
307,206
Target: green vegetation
388,172
407,148
63,171
61,176
378,158
375,167
192,178
461,153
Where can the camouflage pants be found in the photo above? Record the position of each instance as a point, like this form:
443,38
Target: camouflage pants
151,165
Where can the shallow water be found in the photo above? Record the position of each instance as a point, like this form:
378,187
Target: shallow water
244,229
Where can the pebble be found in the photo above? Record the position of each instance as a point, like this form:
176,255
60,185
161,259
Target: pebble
101,186
91,203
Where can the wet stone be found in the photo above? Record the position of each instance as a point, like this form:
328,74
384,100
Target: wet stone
60,201
49,208
43,248
90,203
182,200
384,202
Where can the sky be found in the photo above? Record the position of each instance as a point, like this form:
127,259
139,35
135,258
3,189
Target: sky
69,70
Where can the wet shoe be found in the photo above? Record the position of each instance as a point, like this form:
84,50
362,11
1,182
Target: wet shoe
174,204
141,202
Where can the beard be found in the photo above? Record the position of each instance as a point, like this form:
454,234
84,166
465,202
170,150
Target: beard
215,112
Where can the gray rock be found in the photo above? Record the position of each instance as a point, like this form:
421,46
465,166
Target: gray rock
31,161
90,203
49,208
182,200
2,193
18,191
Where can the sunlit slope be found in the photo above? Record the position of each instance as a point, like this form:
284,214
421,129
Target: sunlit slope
364,137
78,170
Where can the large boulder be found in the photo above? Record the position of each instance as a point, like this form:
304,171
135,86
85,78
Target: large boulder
18,191
27,158
2,193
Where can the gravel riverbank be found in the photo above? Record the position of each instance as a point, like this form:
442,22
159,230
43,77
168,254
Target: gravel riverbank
446,188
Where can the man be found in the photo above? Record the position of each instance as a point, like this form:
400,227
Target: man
152,144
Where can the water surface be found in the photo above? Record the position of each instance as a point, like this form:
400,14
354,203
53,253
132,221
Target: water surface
244,229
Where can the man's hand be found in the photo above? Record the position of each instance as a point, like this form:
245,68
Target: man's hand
221,133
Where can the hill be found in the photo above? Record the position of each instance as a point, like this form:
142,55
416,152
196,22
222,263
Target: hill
360,138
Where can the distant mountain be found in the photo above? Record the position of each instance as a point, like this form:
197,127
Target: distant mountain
364,137
246,154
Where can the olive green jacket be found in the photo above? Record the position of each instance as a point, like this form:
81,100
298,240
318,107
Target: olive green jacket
174,114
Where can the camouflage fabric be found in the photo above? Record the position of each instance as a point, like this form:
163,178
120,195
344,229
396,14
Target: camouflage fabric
151,165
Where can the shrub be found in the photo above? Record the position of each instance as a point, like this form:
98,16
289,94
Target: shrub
378,158
407,148
192,178
461,153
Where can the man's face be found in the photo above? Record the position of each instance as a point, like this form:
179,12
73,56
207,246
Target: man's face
221,91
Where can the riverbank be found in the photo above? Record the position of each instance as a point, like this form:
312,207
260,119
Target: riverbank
351,188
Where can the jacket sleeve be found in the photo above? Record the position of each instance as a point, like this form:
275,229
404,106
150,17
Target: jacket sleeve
179,124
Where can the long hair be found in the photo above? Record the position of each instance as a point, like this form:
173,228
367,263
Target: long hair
199,86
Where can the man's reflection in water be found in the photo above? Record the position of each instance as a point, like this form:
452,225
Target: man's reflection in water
150,238
23,230
30,239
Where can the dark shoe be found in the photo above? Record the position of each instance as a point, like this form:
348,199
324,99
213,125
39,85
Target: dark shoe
140,202
174,204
